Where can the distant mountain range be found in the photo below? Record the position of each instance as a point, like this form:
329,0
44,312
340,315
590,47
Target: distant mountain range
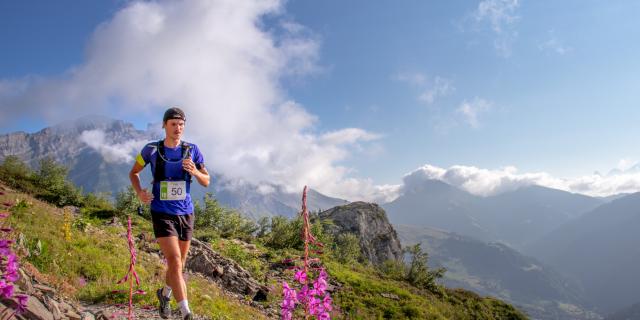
602,250
85,144
516,218
498,270
629,313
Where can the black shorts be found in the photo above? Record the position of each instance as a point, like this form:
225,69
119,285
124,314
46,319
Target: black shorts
167,225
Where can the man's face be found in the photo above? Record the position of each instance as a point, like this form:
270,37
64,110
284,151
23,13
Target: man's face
173,128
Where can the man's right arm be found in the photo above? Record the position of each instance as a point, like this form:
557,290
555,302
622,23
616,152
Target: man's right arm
134,175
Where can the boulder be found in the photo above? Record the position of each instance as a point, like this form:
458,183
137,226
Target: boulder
378,239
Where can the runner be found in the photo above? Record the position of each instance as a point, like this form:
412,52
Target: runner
173,163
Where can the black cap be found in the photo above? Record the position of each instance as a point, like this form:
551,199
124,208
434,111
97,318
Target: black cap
174,113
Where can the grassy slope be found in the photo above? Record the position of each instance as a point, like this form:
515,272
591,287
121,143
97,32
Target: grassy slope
100,256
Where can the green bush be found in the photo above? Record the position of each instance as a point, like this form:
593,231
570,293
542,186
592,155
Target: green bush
225,222
98,205
394,269
347,248
51,180
127,203
15,173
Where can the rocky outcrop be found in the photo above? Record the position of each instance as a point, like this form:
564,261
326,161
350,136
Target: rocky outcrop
225,272
378,239
44,303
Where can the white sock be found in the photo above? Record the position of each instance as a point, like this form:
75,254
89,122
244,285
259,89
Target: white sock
184,307
166,291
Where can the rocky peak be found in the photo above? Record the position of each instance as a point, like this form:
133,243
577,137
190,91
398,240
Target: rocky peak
378,239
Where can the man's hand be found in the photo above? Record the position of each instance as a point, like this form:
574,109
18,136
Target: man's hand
145,196
189,166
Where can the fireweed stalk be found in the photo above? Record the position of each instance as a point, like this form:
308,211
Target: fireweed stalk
131,273
9,267
315,300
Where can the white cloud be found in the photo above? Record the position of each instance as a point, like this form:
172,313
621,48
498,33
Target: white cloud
554,45
218,61
625,164
430,89
440,87
487,182
472,110
500,13
501,16
348,136
111,152
416,78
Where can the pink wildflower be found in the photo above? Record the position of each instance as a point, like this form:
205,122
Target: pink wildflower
301,276
22,303
326,302
6,290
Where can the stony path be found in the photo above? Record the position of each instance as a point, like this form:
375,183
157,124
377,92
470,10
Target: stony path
121,312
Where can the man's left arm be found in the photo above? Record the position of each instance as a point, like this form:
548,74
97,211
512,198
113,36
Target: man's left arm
197,170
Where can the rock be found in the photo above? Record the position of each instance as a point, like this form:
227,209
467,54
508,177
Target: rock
37,310
88,316
73,316
54,308
219,270
44,289
65,307
104,315
378,239
72,209
390,296
24,282
226,272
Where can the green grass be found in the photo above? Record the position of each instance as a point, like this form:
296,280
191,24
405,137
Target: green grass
361,298
88,264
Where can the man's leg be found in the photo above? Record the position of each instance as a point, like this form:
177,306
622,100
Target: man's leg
171,251
184,250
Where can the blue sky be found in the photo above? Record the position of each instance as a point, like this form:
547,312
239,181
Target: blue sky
544,86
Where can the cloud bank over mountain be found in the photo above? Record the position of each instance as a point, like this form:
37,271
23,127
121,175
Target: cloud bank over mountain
487,182
223,62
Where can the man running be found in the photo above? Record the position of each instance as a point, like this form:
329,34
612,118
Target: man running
173,163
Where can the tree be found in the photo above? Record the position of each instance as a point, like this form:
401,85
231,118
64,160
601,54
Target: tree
51,179
17,174
418,272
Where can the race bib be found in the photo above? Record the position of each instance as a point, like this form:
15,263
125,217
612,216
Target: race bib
173,190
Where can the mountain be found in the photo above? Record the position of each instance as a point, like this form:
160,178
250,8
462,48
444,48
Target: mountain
440,205
498,270
629,313
516,217
529,213
87,167
247,199
600,249
368,222
99,154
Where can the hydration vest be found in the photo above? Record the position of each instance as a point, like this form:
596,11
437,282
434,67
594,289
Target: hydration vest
159,172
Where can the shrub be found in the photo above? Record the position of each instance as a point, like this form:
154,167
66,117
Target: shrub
281,232
51,180
127,203
394,269
17,174
347,248
225,222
